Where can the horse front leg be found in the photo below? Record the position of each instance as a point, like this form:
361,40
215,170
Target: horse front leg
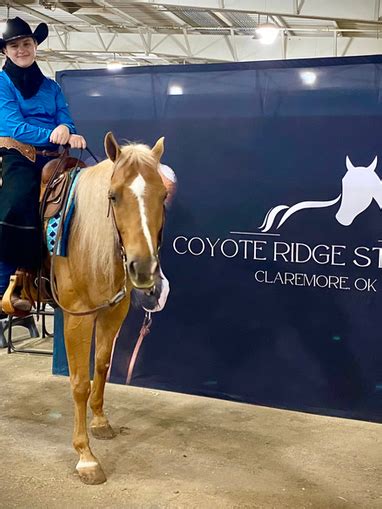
108,325
78,335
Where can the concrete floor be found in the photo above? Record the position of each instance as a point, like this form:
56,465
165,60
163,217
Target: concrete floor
177,451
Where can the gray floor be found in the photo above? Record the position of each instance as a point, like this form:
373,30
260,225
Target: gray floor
178,451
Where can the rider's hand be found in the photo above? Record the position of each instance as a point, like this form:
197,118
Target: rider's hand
60,135
77,141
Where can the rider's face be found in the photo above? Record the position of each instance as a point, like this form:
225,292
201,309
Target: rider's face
22,52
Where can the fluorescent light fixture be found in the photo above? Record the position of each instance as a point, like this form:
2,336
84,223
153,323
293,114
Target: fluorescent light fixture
175,90
114,66
267,33
308,77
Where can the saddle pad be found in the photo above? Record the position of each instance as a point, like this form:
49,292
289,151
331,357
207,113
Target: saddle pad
53,224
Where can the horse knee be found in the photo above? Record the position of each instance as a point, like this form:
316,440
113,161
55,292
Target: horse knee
81,390
102,366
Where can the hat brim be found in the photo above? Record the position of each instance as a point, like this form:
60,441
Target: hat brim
39,35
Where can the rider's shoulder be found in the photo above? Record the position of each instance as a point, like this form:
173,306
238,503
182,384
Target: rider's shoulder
52,84
5,82
3,77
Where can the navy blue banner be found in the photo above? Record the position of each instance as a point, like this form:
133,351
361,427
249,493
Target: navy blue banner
273,245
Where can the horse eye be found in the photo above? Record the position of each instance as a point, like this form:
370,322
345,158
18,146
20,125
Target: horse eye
111,196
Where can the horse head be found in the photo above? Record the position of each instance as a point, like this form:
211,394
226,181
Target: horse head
136,197
360,186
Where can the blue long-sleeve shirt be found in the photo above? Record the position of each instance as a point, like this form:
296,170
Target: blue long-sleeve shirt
32,120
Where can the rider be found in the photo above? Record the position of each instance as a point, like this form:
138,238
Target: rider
34,121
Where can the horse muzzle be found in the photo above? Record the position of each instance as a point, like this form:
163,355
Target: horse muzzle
143,273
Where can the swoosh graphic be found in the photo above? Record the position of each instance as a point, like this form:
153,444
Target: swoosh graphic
307,205
271,216
265,219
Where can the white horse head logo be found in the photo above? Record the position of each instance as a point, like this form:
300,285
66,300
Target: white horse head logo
360,186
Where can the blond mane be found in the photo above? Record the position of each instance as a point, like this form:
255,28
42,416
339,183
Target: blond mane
95,235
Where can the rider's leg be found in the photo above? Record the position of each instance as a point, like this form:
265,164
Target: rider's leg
6,270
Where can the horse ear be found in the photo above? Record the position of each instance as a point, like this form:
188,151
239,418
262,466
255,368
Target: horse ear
349,164
158,149
373,165
111,147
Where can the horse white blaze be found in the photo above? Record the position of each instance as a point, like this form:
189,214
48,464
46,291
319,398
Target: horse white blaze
138,188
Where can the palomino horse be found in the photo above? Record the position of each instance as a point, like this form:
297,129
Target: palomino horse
119,208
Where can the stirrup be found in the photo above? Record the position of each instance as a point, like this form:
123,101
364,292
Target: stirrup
11,303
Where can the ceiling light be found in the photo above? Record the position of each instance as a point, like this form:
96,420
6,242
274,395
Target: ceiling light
267,33
308,77
114,66
175,90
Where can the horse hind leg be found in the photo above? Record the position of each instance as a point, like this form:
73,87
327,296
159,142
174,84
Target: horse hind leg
108,324
78,333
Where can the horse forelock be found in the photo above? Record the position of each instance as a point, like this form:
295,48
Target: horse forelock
137,158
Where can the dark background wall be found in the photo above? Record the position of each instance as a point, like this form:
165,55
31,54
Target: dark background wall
242,139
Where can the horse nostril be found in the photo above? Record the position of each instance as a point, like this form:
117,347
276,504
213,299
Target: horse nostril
133,269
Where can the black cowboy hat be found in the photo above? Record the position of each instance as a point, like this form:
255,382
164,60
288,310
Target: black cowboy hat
17,28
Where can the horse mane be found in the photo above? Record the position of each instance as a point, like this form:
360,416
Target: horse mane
93,229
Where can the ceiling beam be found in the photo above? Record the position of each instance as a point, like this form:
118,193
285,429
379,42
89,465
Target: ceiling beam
118,12
298,5
62,40
377,8
231,43
263,12
50,20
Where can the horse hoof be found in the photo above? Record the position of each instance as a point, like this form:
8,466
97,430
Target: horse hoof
91,475
103,432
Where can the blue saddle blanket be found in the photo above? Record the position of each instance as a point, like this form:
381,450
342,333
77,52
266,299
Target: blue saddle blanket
60,246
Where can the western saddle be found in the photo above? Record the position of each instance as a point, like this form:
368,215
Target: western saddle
27,288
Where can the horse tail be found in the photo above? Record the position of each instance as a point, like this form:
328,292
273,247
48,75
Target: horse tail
270,217
307,205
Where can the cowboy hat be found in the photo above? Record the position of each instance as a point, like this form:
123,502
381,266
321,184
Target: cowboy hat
17,28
